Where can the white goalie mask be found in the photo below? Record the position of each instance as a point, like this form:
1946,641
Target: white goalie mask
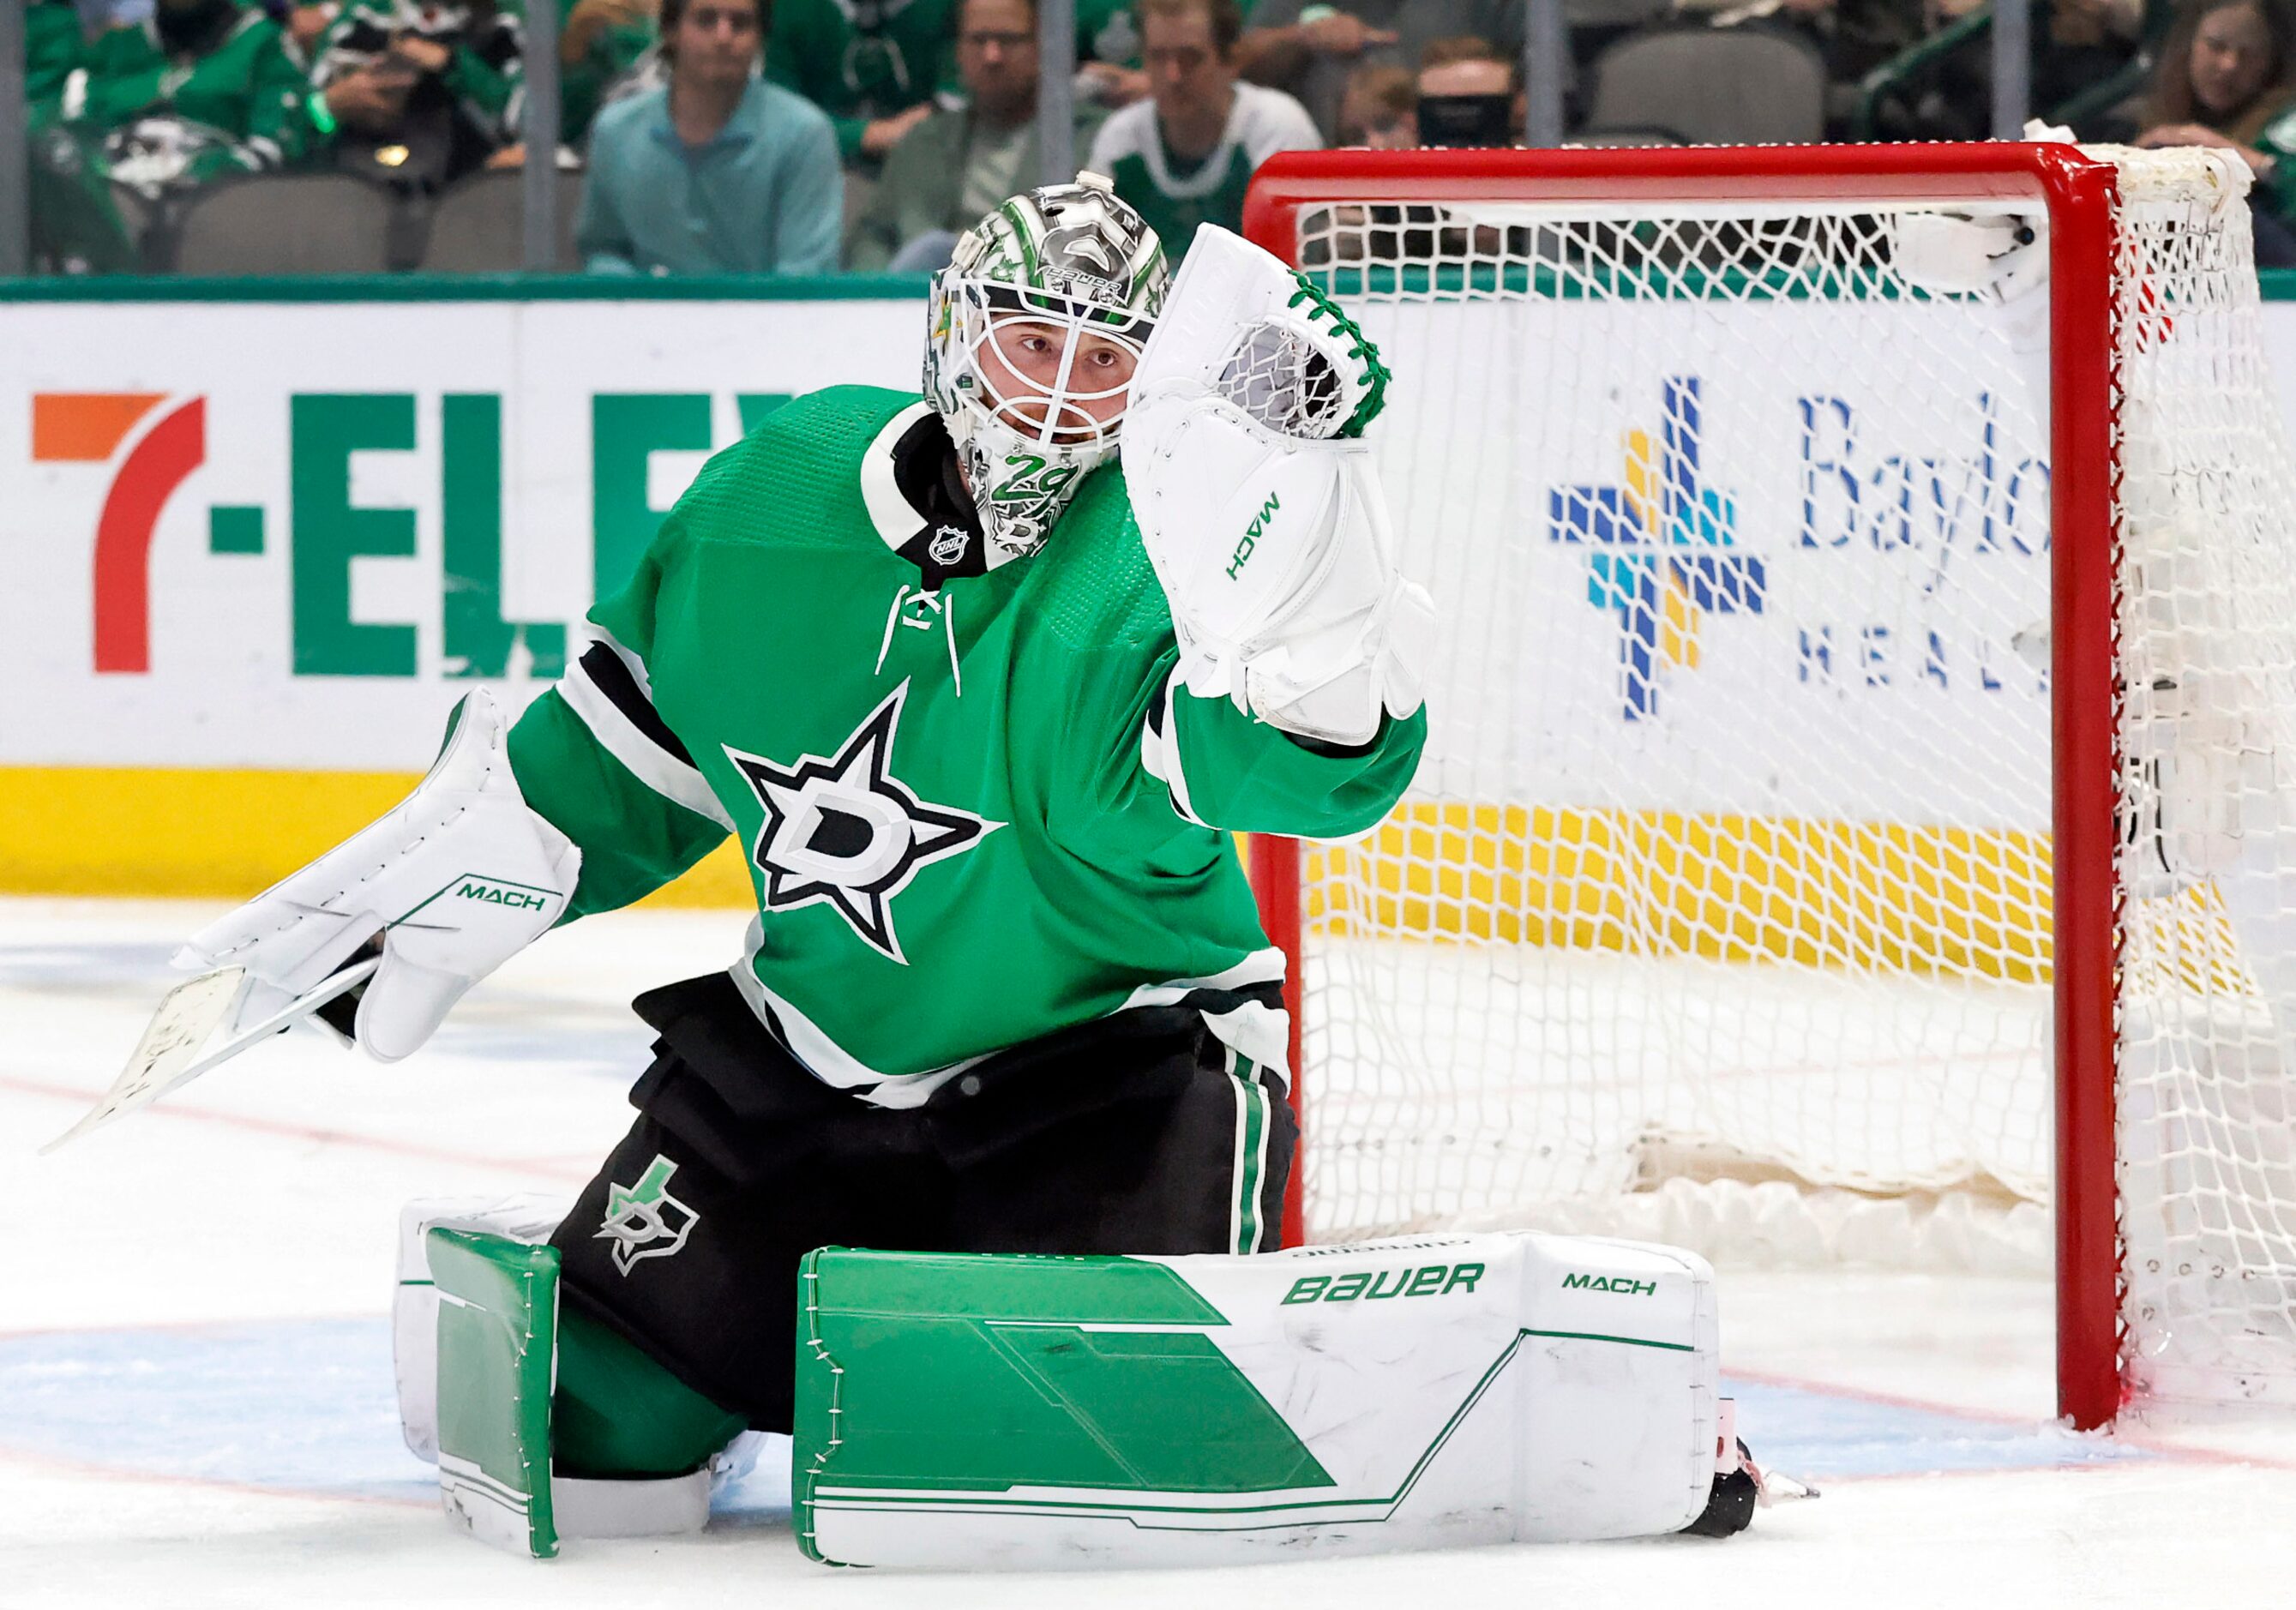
1035,329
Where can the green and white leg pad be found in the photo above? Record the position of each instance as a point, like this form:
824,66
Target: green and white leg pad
526,1217
497,1344
1015,1411
497,1338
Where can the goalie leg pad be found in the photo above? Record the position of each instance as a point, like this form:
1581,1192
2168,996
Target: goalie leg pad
497,1367
497,1356
958,1411
526,1217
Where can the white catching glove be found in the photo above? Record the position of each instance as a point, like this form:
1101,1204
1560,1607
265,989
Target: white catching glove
456,881
1968,252
1259,502
1965,253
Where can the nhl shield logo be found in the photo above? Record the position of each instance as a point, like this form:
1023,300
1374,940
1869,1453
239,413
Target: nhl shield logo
948,544
644,1220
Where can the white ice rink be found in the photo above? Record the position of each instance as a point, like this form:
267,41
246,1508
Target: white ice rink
195,1390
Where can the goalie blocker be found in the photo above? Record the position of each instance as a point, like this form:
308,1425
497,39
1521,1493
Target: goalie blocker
970,1410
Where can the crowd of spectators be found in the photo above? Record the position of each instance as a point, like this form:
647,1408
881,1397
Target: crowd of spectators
807,136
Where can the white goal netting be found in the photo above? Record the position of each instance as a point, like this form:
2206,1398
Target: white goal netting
1730,856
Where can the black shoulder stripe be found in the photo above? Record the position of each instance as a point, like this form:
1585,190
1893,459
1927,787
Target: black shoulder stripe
1156,709
612,678
1218,1002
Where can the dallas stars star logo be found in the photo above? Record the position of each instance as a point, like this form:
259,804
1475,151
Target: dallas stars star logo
842,832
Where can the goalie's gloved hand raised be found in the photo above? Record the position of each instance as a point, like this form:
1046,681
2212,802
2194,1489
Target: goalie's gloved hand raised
456,881
1258,504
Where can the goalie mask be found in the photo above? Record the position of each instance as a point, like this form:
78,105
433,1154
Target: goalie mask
1036,327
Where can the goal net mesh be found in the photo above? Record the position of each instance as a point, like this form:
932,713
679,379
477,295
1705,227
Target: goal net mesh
1729,857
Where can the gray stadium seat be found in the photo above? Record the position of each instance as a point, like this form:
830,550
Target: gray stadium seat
317,223
1715,87
859,189
478,226
1614,13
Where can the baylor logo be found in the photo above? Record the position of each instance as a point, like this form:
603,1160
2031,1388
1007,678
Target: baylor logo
644,1220
843,832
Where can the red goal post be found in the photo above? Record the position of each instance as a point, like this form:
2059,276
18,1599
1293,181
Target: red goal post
2080,192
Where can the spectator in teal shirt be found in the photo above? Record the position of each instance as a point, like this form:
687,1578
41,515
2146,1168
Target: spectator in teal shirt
719,172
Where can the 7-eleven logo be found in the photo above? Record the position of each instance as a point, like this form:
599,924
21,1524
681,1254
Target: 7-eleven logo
76,427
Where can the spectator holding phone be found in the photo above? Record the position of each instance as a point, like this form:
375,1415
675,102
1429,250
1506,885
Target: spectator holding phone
1308,48
416,93
1468,94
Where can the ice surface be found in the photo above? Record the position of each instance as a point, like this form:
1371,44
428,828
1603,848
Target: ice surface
196,1395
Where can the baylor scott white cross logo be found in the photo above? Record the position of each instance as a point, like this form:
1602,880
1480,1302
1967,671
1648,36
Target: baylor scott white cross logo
842,832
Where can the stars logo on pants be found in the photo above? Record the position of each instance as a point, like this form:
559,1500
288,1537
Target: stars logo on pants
843,832
644,1220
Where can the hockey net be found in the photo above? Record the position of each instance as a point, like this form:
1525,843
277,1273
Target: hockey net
1778,879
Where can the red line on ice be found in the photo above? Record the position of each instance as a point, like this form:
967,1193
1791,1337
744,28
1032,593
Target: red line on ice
128,1473
542,1168
2127,1437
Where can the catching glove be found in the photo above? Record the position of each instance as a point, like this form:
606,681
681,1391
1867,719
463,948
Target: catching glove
1258,504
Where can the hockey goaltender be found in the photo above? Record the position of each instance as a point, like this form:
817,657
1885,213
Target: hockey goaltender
983,707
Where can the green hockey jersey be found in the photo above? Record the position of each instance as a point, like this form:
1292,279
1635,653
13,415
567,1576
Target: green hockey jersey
976,805
233,76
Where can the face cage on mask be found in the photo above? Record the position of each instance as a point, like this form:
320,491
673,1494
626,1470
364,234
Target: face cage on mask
989,313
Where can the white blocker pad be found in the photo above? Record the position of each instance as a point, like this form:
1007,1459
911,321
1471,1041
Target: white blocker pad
415,1303
971,1411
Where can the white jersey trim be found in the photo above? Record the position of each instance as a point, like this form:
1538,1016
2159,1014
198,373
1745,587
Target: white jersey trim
629,658
823,1057
1261,1032
1254,1030
896,522
1159,750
